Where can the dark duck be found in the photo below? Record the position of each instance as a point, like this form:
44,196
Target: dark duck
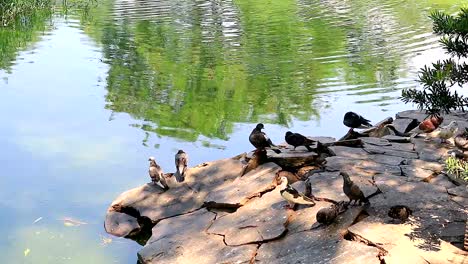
353,120
296,140
351,190
260,140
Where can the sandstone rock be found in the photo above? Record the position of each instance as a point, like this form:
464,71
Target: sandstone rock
304,218
415,173
289,158
360,167
330,185
261,219
402,240
120,224
355,153
404,125
239,191
153,202
315,247
182,239
442,180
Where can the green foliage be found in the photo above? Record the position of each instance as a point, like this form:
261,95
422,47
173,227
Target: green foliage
14,10
457,167
437,95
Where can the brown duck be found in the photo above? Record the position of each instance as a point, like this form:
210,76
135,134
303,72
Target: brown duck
156,174
401,212
351,190
181,160
328,214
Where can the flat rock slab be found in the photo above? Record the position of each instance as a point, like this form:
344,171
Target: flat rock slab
405,125
240,190
416,173
153,202
182,239
442,180
405,240
396,190
430,150
362,167
120,224
376,141
304,218
461,191
396,149
348,152
293,158
261,219
315,247
330,185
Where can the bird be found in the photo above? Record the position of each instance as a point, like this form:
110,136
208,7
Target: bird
328,214
292,195
351,190
428,125
181,160
260,140
447,132
296,139
353,120
401,212
461,141
259,157
156,174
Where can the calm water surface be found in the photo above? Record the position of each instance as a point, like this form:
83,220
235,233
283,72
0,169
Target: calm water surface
85,98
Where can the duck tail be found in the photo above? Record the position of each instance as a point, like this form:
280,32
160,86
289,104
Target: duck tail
277,151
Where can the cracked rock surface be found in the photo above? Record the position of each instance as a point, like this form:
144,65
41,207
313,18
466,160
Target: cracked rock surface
219,216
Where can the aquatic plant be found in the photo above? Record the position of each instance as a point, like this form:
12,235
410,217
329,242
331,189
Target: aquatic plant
438,79
457,167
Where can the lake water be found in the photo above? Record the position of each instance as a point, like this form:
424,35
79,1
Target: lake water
87,97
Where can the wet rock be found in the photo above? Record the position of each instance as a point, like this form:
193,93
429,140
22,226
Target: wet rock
261,219
237,192
183,239
120,224
315,247
404,125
